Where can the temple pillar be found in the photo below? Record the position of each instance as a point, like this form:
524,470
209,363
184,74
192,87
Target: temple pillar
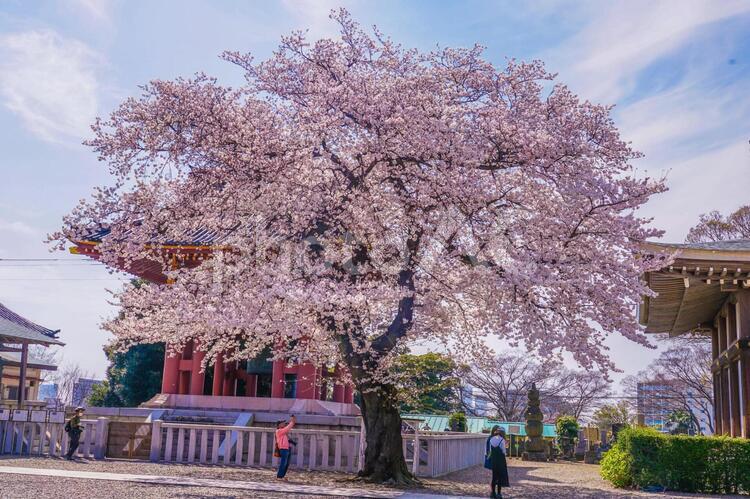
218,384
348,394
184,383
714,344
726,423
307,381
230,380
722,333
338,392
338,386
717,403
744,365
743,313
731,320
277,379
735,414
170,376
22,374
197,378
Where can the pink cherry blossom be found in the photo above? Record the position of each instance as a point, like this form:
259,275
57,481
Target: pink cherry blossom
368,196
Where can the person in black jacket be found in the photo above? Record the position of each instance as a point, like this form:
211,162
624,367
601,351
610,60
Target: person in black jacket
496,450
74,428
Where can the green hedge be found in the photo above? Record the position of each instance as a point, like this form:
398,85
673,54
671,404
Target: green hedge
643,457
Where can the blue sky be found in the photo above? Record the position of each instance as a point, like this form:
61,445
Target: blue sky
677,71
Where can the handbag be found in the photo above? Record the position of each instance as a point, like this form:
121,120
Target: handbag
487,460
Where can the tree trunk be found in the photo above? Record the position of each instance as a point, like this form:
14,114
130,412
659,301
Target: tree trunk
384,456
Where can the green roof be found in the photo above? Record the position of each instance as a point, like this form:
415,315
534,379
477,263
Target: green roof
439,422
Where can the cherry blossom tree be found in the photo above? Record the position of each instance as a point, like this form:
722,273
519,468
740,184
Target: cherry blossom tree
366,196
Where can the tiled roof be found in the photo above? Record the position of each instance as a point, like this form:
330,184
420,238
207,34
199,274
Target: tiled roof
731,245
198,237
478,425
13,326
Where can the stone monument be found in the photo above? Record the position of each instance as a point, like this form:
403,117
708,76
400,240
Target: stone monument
535,449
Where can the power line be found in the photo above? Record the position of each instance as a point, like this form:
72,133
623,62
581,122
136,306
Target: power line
39,260
38,265
65,279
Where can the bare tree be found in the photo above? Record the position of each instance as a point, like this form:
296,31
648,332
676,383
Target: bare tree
66,377
683,375
45,355
713,226
685,372
578,393
506,380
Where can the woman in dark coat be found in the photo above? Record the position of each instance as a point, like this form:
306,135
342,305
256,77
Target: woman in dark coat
496,450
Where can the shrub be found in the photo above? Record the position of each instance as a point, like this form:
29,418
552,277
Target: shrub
616,466
642,457
457,421
567,433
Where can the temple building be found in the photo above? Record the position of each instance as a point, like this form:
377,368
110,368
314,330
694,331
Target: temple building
21,372
706,290
183,383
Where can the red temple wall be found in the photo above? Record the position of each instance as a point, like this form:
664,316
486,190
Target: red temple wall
182,375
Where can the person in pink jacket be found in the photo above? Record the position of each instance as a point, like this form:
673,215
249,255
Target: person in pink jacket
282,443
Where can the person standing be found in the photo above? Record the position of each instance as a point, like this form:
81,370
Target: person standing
282,443
497,463
74,428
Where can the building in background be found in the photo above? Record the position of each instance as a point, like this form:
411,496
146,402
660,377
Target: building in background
653,401
82,389
20,369
50,393
474,401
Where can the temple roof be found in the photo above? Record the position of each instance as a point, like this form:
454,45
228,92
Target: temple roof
15,329
197,237
693,288
187,251
732,245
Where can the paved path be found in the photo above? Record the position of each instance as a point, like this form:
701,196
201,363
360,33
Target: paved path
183,481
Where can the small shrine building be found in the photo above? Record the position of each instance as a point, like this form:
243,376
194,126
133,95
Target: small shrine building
20,372
706,290
251,379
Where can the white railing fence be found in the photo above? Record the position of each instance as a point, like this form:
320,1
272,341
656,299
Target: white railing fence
44,438
252,446
439,453
442,453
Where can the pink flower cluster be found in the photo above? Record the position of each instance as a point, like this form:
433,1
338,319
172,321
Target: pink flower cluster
374,196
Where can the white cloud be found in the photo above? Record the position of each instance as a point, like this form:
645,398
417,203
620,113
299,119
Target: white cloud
685,118
17,227
712,180
622,38
50,83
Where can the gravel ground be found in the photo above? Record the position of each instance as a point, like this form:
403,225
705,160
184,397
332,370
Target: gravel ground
528,480
33,487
